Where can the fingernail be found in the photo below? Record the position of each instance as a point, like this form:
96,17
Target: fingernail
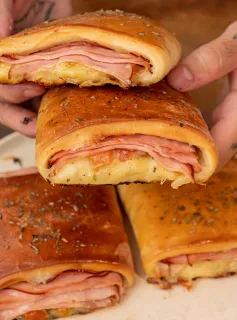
31,93
181,78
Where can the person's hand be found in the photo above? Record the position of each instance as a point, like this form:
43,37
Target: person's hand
206,64
16,15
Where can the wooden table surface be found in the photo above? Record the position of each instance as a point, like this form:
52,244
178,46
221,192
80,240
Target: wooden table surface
194,22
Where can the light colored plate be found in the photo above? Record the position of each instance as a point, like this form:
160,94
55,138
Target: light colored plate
209,299
16,146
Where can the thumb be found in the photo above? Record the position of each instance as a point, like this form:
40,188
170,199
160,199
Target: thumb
207,63
6,20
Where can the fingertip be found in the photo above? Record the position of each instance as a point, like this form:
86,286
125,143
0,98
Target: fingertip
222,164
20,93
32,92
31,86
181,78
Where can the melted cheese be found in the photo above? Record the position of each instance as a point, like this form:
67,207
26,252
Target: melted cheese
144,169
202,269
63,72
72,72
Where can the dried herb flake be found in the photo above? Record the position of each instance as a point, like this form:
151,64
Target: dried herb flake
36,250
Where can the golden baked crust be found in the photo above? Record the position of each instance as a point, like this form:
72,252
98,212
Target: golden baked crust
46,230
122,32
193,219
70,118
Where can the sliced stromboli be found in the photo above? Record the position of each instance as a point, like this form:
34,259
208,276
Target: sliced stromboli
109,136
91,49
187,233
56,259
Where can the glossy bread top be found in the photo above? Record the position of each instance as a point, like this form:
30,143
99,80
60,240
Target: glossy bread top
191,219
141,29
72,117
68,109
44,226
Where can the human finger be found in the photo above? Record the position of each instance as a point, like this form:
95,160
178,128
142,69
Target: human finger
18,118
6,21
20,93
207,63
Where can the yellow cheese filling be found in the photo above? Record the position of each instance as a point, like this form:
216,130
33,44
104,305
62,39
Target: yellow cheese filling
60,73
64,72
201,269
144,169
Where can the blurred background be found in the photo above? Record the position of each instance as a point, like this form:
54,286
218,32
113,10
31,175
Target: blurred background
194,22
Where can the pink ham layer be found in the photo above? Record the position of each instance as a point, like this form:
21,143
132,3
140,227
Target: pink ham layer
119,65
205,256
171,154
69,289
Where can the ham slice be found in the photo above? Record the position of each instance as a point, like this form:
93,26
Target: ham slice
119,65
171,154
205,256
67,290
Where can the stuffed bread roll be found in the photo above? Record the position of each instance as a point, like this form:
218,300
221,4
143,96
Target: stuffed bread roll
90,50
56,259
187,233
110,136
